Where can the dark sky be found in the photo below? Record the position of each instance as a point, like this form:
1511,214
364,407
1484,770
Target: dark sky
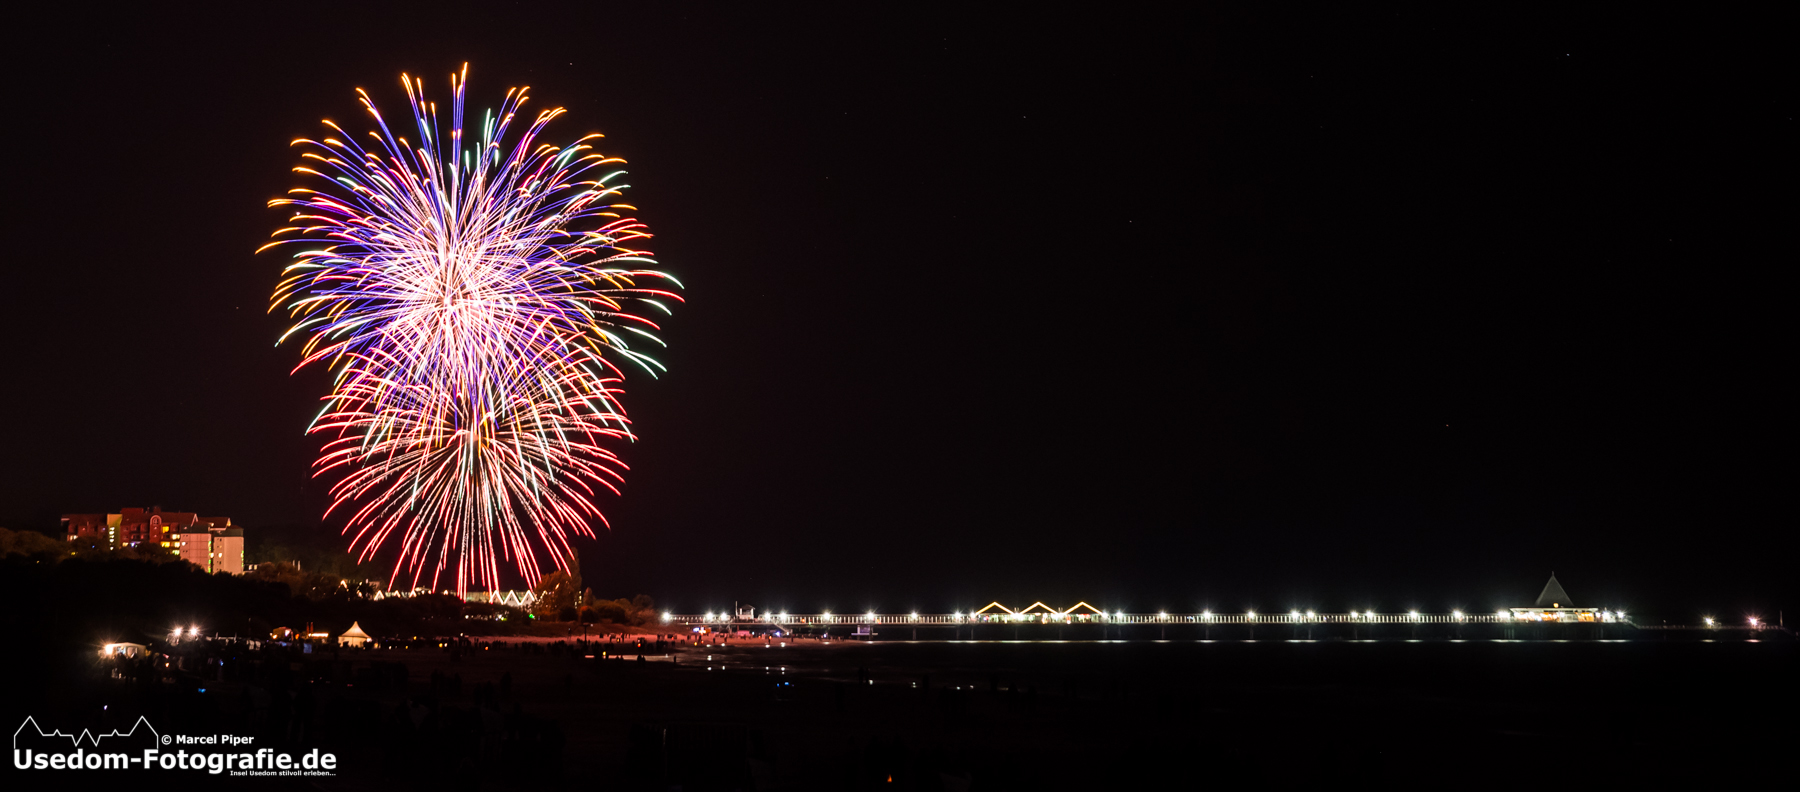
1171,309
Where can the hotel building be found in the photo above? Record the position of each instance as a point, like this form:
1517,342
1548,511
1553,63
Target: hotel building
209,542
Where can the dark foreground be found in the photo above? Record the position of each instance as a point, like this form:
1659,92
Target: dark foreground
987,716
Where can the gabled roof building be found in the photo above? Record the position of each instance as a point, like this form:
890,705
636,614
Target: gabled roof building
210,542
1555,605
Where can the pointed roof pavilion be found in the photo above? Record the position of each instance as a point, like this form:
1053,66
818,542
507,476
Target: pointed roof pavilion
1554,596
354,636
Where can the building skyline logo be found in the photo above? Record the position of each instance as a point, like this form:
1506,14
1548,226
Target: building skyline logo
86,738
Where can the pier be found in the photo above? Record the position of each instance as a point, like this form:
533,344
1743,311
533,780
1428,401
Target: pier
1085,621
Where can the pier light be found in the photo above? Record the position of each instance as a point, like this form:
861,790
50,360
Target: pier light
1206,614
1457,614
1162,615
915,614
871,615
1295,614
1309,614
826,616
1708,621
1502,614
1413,614
1251,614
784,615
1753,621
956,615
665,615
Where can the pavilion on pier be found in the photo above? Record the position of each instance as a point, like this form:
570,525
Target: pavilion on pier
1554,605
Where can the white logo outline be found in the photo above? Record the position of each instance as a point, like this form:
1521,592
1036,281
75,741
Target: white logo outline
91,738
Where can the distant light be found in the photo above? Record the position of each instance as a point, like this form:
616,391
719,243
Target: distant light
1414,614
1709,621
1752,621
1502,614
958,614
1309,614
665,615
1162,615
1206,614
1295,614
871,615
915,614
1456,613
784,615
1251,614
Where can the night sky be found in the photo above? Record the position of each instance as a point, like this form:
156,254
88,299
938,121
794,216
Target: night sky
1331,310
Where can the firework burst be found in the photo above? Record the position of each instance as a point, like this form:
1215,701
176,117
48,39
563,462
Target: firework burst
473,298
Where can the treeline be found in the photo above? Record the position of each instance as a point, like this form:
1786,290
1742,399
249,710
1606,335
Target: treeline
559,596
88,594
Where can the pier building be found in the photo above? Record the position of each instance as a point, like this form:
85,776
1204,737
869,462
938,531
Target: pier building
1555,605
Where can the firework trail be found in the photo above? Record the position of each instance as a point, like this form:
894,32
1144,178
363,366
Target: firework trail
473,299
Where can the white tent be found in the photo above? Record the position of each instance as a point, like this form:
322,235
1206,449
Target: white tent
353,636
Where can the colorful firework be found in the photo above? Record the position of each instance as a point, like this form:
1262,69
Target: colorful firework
471,298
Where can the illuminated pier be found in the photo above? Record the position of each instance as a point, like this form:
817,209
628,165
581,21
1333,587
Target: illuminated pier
1085,622
1082,613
